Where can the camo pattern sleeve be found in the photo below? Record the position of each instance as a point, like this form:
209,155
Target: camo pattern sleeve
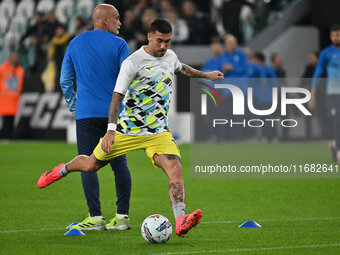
148,95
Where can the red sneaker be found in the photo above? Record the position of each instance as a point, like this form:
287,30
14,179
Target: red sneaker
49,177
185,222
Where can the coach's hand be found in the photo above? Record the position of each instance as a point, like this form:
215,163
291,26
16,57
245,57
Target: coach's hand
215,75
108,141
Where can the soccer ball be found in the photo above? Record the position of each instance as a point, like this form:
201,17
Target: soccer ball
156,229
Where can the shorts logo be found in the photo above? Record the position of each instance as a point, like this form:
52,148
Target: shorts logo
173,140
100,150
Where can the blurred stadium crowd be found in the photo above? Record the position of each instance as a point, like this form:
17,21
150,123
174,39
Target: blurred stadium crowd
40,30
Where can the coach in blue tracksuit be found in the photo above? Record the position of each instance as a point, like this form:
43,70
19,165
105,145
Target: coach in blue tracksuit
329,61
234,64
254,75
265,94
96,57
270,81
213,63
233,61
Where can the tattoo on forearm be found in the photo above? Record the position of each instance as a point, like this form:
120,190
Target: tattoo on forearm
171,156
115,107
176,192
188,71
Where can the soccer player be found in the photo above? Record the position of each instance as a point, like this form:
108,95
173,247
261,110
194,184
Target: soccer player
96,57
329,61
146,79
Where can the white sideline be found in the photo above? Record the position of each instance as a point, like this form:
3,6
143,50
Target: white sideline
203,222
254,249
30,230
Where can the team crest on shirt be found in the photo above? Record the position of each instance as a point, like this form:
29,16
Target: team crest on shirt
149,68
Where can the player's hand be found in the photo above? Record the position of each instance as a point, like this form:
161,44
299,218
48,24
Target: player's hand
108,141
215,75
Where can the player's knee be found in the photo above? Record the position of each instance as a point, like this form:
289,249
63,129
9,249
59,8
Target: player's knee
92,166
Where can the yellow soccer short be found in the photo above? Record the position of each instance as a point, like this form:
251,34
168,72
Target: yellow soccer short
162,143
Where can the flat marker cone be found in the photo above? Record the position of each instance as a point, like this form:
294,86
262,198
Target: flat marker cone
74,232
250,224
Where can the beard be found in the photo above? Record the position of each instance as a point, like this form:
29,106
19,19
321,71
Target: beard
161,53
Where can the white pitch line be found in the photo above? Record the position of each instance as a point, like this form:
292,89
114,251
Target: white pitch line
30,230
254,249
204,222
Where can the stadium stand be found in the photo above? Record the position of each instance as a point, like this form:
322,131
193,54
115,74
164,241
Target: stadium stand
7,8
85,8
64,10
267,26
45,6
25,9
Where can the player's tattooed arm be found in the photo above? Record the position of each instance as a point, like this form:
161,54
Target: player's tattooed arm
188,71
171,157
176,192
109,137
115,107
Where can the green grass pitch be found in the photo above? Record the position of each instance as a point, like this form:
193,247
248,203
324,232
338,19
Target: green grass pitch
298,216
